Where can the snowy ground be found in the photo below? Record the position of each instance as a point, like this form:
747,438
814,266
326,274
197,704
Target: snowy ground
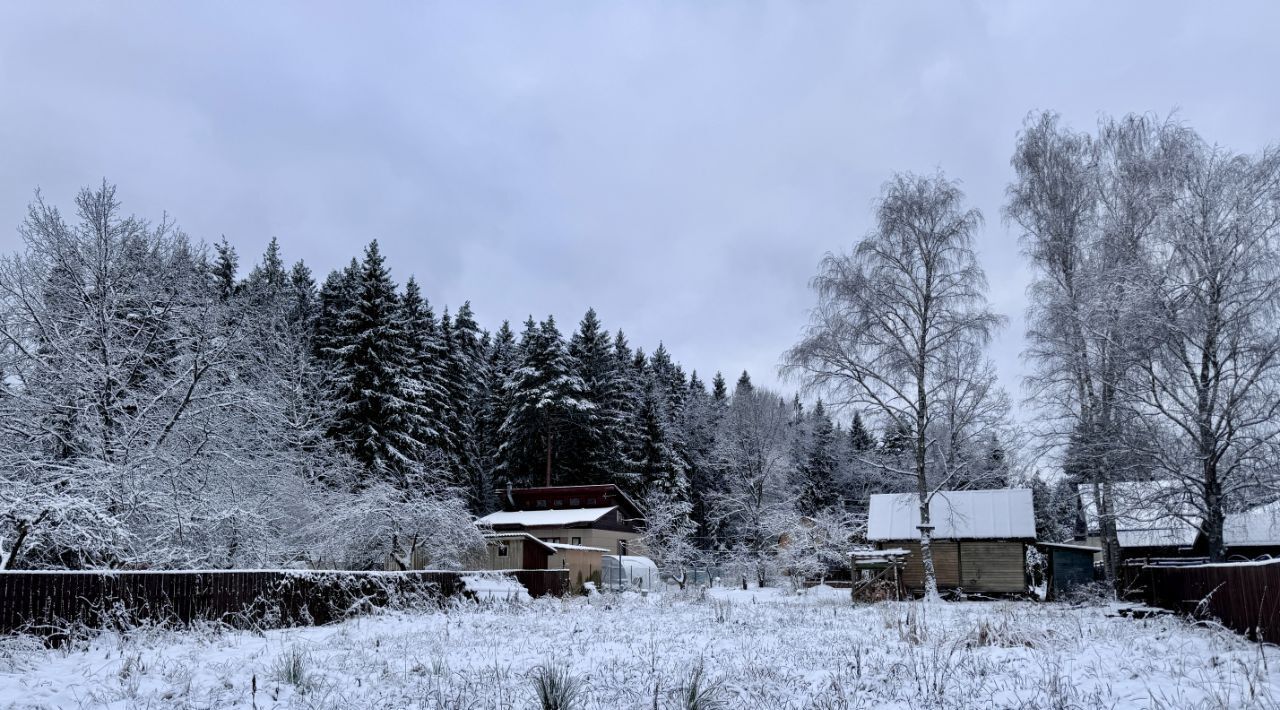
758,650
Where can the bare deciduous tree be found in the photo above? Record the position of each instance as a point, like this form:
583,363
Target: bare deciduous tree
893,320
1088,209
1211,375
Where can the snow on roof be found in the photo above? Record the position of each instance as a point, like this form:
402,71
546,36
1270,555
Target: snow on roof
631,560
1069,546
1005,513
1148,513
1260,526
517,536
546,518
563,546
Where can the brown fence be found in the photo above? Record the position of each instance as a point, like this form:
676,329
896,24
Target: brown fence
52,602
1243,596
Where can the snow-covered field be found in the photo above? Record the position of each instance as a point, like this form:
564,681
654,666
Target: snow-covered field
756,649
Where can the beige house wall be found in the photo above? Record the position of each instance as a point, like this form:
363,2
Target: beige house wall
590,537
513,558
583,565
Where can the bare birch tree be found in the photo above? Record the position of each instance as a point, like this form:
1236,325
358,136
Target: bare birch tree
1212,374
1089,208
893,316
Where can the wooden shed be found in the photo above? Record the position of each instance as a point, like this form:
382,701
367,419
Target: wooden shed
1066,567
979,538
516,550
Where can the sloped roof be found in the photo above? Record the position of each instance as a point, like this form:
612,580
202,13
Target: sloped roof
1260,526
546,518
564,546
1005,513
1148,513
519,536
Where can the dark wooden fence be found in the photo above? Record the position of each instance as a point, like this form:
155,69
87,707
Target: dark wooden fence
51,603
1243,596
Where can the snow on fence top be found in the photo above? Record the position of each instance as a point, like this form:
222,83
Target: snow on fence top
546,518
1005,513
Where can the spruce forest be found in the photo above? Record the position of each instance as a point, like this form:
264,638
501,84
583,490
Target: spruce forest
170,404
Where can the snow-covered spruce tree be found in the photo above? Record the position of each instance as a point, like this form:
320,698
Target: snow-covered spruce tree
464,370
337,295
224,269
700,421
545,397
427,358
859,473
657,459
592,445
630,369
816,472
892,313
501,361
376,420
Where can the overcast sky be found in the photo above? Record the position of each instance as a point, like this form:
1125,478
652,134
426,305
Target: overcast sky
680,167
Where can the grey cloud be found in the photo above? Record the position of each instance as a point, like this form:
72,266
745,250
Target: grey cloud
681,167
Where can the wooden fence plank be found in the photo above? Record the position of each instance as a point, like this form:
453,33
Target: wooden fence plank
52,600
1244,596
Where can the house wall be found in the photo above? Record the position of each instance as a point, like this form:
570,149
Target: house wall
583,565
988,566
521,554
996,566
514,558
591,537
946,563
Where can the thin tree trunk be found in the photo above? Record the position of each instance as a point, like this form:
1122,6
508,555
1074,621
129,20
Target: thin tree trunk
548,475
922,481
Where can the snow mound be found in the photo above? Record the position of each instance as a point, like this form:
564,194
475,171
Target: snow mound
495,586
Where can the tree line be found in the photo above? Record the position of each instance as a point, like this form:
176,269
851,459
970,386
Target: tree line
163,407
160,406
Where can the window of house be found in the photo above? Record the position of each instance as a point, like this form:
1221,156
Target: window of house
560,501
502,549
542,504
575,541
551,539
575,501
591,501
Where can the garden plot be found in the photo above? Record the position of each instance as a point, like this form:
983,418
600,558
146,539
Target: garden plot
731,649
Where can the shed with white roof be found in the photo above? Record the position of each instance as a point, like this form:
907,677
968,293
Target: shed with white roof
978,538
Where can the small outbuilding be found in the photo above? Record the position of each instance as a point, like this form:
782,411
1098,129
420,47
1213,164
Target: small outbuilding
1067,567
629,572
979,538
517,550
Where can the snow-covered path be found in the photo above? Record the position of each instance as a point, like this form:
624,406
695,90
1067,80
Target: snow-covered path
760,649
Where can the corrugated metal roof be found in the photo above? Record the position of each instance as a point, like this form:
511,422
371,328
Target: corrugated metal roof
1005,513
546,518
